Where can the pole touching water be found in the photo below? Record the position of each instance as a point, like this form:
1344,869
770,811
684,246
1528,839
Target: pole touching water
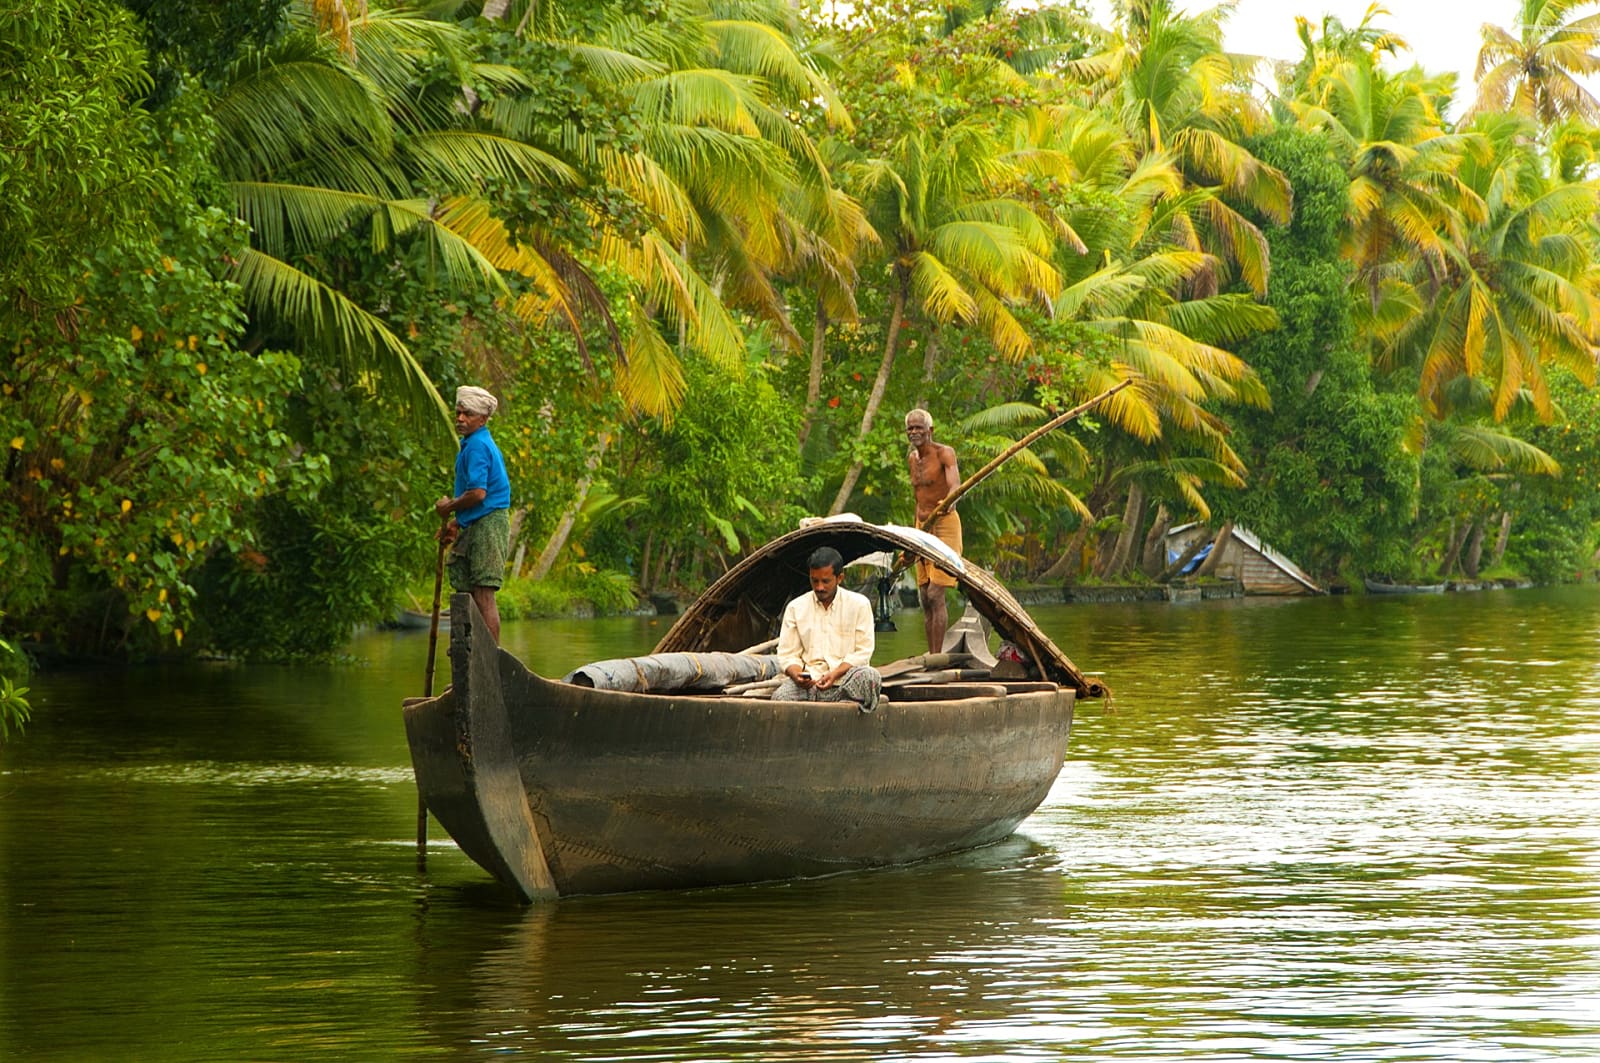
427,692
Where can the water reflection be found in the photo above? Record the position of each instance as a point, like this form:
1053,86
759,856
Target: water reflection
1318,830
833,968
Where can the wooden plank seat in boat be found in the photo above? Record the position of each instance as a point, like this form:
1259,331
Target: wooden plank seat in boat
946,691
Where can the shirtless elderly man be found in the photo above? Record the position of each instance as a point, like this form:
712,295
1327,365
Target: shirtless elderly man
933,476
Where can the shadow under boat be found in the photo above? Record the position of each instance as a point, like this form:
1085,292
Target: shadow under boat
557,788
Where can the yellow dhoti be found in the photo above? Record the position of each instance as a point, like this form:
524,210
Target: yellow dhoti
948,531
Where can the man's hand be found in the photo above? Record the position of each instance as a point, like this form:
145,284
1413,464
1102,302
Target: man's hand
448,531
827,681
442,507
801,677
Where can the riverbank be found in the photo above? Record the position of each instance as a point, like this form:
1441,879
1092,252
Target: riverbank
1178,591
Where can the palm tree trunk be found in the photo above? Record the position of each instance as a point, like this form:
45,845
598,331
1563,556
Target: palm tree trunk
1132,518
1501,540
1103,544
1458,539
646,583
1154,555
879,386
930,355
819,339
1066,566
1202,536
515,546
1219,546
558,538
1469,563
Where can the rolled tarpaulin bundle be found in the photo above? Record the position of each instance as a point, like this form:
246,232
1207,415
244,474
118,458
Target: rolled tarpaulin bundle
661,673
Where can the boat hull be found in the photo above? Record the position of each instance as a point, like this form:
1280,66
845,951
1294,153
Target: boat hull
558,789
1376,587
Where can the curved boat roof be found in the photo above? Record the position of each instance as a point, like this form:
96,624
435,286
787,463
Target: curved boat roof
743,607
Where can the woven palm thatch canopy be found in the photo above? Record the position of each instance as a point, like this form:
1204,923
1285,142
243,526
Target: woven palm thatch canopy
744,607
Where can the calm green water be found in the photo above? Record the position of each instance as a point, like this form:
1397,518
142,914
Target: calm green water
1334,829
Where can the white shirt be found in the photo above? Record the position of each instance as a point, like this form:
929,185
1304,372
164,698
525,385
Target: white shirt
818,639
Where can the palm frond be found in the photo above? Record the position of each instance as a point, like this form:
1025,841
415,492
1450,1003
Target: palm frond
1220,319
650,380
441,156
940,293
1490,449
275,291
284,105
762,51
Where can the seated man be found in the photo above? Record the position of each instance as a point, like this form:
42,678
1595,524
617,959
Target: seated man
825,646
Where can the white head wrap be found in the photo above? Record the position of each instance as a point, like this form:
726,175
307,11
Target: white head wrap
476,401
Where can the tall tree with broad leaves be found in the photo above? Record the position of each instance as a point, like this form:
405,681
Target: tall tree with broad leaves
361,128
963,247
1407,205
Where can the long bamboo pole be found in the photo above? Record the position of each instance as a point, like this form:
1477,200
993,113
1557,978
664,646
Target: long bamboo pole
1010,452
427,692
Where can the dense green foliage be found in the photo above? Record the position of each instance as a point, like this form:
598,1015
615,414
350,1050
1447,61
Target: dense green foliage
708,254
135,428
1557,517
717,480
1331,483
78,171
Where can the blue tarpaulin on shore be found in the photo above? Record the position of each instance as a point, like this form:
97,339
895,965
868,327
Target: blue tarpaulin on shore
1194,562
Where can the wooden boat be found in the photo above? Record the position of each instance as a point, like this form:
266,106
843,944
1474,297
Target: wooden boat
1376,587
556,788
415,620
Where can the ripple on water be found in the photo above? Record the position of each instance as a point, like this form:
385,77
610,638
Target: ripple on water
1332,830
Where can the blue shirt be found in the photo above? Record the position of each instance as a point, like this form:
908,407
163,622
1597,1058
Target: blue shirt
479,464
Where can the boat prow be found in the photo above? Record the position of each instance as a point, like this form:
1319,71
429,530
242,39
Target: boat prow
462,755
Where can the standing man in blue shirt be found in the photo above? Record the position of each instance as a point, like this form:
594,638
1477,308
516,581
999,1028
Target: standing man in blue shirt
480,519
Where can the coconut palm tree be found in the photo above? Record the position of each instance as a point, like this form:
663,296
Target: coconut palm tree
1536,68
731,190
1406,203
963,247
1143,299
1519,291
315,145
728,189
325,134
1143,284
1174,89
1327,47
